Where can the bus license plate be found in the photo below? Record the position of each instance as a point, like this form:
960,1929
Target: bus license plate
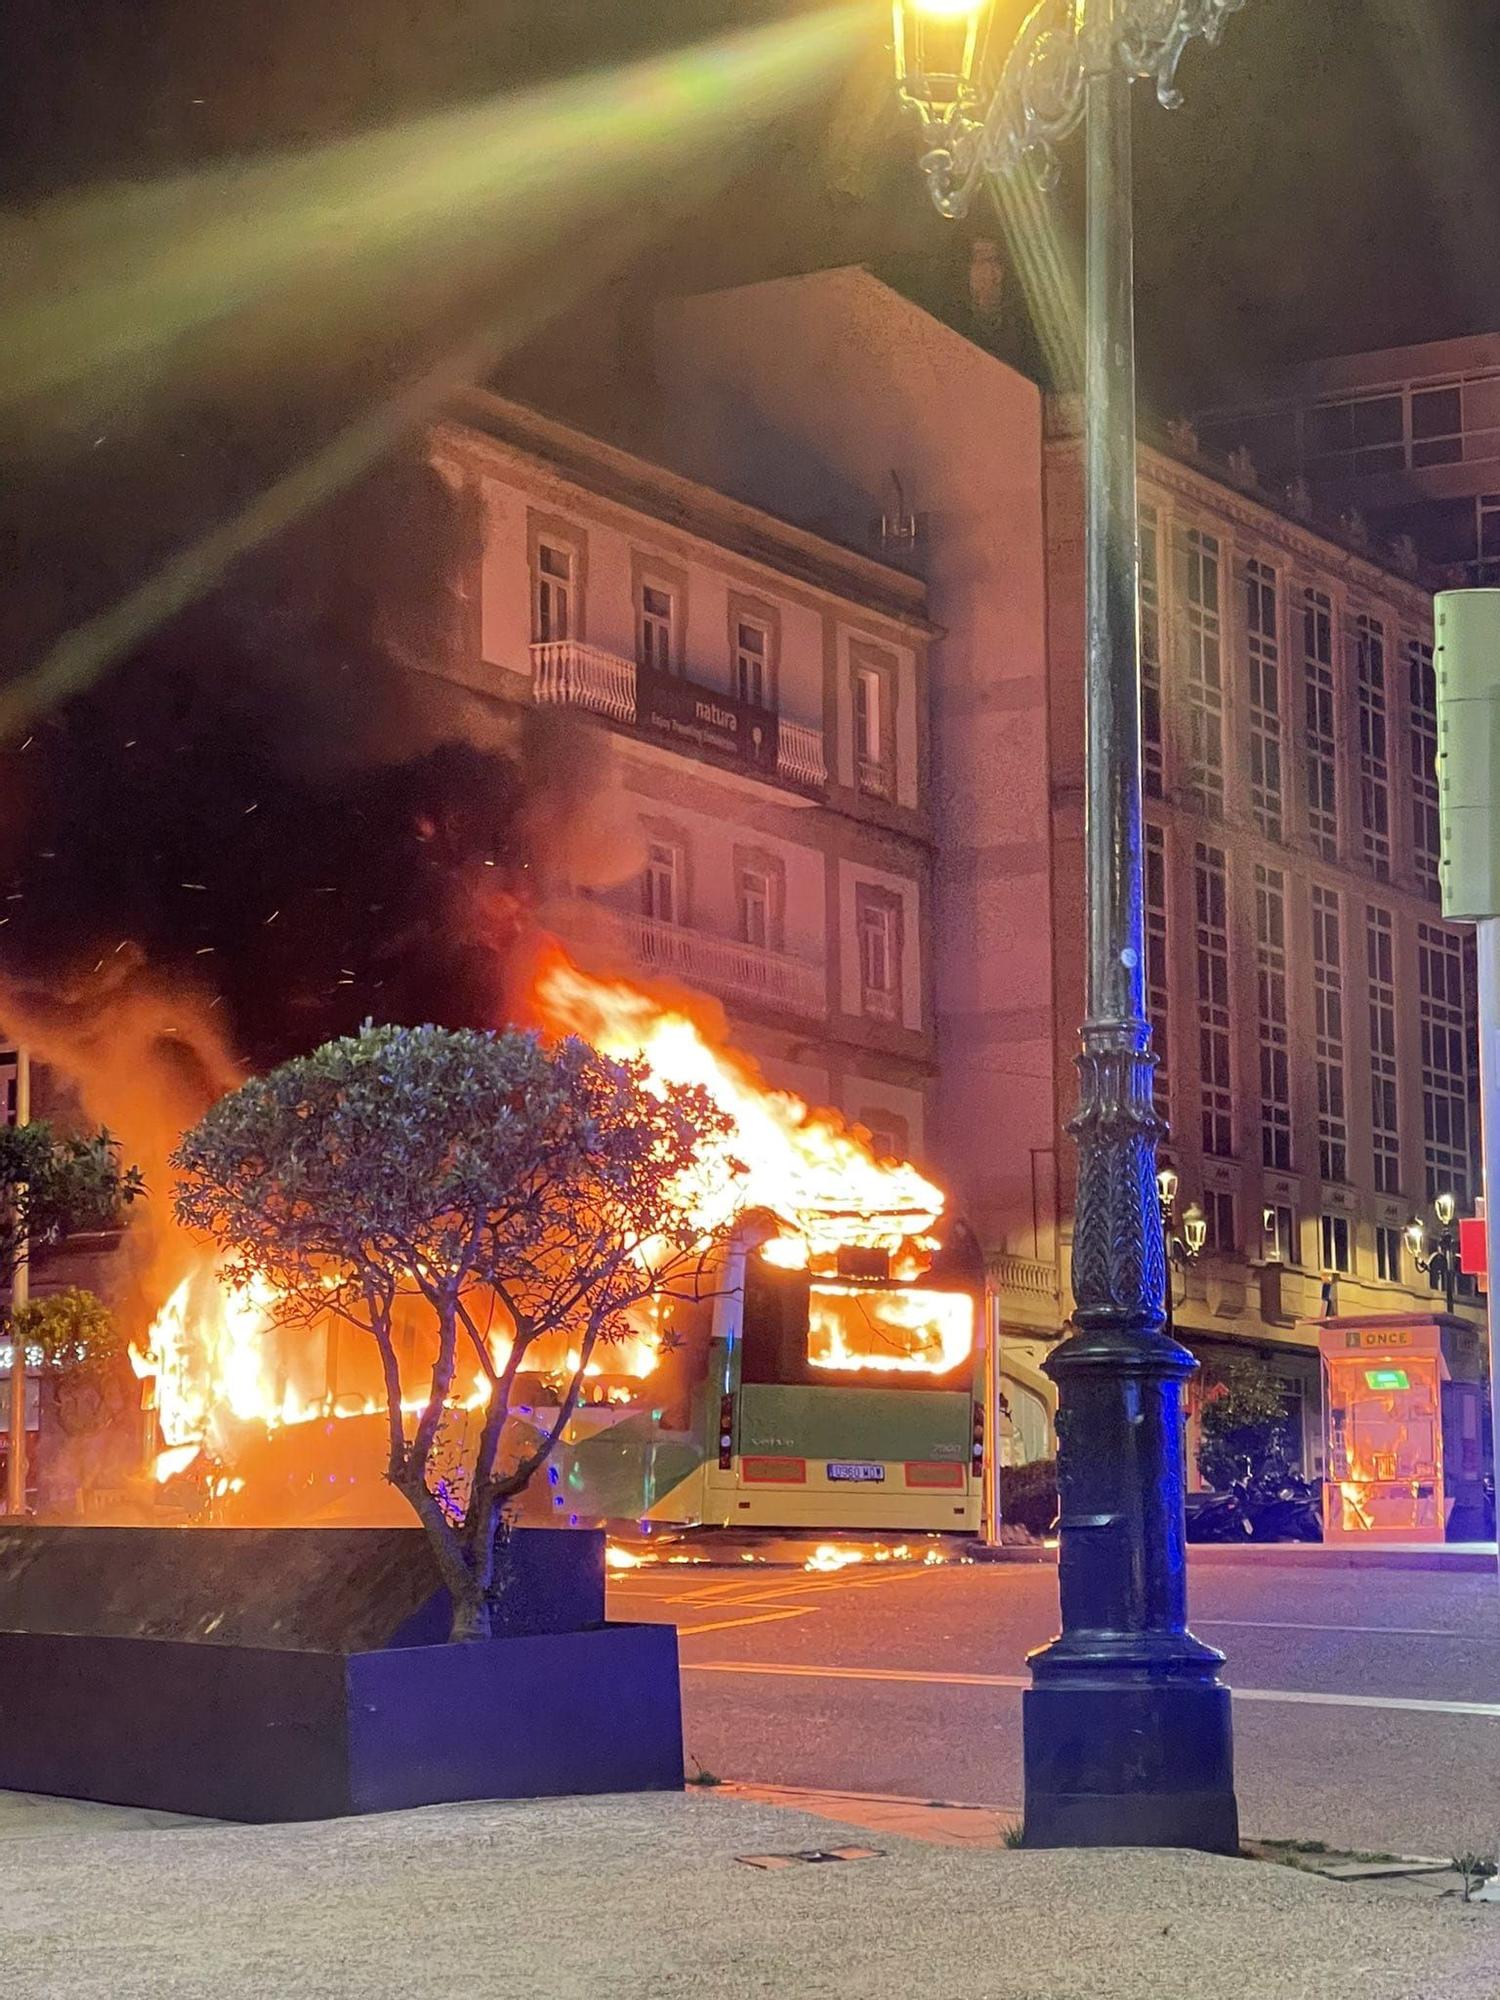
856,1470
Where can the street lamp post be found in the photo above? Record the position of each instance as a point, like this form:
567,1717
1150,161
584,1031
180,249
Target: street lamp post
1181,1248
1126,1725
1442,1259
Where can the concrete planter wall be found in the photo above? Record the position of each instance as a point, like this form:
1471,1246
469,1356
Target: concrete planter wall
252,1712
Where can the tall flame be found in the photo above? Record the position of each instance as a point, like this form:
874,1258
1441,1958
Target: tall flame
221,1358
807,1166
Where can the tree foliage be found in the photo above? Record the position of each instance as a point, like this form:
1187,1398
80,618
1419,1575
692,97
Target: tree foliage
51,1186
73,1331
446,1171
1243,1424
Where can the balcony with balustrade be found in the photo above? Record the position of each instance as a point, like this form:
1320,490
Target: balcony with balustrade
566,673
749,974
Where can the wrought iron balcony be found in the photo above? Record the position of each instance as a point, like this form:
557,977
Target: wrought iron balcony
572,675
733,970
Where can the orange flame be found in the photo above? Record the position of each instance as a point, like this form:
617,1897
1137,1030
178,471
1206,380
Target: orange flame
220,1357
809,1167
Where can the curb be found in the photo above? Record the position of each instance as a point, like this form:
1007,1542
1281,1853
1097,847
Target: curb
1338,1555
1461,1559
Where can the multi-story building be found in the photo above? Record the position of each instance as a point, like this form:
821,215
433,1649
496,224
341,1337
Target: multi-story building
765,835
1405,441
1312,1011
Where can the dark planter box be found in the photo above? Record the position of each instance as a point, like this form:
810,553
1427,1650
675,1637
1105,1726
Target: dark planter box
277,1721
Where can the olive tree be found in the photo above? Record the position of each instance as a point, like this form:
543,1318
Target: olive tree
437,1171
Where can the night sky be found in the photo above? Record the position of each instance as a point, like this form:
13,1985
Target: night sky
1333,182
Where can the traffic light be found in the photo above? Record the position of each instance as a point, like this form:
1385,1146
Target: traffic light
1467,663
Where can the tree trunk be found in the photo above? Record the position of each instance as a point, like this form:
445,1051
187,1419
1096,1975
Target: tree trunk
466,1591
472,1620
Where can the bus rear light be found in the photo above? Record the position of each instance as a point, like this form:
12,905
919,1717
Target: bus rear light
774,1471
726,1433
976,1448
933,1473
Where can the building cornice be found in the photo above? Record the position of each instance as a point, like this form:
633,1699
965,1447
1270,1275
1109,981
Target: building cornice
523,435
1306,546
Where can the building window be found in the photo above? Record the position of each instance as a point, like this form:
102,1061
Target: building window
554,606
1333,1242
1436,426
756,907
9,1086
1197,580
661,883
1158,983
1263,659
1212,938
1328,1022
1385,1125
1152,775
1218,1214
1279,1232
1488,538
1270,983
1317,667
1374,759
1388,1254
654,642
878,922
1445,1062
1422,713
1361,437
751,669
873,728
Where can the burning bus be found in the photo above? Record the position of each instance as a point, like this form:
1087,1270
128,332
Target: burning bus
822,1375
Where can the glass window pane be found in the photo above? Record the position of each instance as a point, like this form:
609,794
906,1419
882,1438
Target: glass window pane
1435,412
1377,420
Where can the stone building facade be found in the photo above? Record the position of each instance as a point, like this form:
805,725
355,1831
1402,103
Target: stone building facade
1313,1013
764,831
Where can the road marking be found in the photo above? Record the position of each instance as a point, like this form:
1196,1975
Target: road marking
755,1618
1415,1704
1373,1631
764,1589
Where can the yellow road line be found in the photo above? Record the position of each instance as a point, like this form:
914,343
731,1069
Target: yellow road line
756,1618
857,1673
767,1589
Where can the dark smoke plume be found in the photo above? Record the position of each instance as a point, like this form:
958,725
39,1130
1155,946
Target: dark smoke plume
277,812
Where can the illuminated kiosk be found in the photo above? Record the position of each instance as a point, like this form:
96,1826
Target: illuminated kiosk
1401,1433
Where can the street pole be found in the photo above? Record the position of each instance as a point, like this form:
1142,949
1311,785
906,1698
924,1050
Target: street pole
1126,1725
20,1290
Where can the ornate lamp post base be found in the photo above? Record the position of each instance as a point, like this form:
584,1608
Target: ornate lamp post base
1127,1736
1127,1763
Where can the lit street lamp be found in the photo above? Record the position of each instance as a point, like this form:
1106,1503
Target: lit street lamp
1183,1250
1442,1259
1126,1724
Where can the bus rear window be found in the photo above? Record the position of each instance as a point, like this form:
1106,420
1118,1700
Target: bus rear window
824,1331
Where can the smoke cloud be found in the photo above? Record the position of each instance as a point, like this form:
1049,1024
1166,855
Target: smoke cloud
278,819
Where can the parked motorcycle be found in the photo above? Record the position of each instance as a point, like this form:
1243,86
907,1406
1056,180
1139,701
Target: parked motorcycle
1284,1508
1278,1506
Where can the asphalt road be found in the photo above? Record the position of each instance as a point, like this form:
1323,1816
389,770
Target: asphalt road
1367,1710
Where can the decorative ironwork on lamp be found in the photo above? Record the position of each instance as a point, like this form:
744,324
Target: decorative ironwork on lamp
1182,1250
981,117
1442,1260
